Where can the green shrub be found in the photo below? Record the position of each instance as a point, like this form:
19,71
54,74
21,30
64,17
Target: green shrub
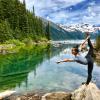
15,42
28,41
98,43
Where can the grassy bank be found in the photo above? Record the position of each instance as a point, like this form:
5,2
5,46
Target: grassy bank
13,46
97,50
98,43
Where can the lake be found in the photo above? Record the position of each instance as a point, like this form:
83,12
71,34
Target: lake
35,69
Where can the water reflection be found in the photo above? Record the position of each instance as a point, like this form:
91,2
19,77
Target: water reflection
35,70
14,68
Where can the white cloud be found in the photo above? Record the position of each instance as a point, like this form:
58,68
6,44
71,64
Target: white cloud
89,9
46,5
92,3
55,10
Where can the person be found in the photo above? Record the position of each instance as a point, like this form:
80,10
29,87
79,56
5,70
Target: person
87,60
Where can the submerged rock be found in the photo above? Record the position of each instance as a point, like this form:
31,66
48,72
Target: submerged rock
57,96
31,96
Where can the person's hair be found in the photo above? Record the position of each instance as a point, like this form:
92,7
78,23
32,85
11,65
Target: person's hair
76,48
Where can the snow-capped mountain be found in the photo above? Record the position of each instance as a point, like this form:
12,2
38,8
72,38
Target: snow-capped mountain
80,27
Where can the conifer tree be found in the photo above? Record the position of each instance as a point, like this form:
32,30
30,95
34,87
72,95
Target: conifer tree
33,11
17,22
48,30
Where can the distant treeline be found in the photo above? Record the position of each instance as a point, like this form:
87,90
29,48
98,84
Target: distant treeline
16,22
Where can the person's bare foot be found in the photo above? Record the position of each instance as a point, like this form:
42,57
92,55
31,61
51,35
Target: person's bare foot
84,83
87,34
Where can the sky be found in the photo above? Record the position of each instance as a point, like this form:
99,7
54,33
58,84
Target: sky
67,11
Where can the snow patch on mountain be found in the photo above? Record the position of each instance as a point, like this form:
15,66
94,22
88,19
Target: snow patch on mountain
80,27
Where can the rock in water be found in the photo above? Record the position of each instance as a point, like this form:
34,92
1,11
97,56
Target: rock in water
57,96
89,92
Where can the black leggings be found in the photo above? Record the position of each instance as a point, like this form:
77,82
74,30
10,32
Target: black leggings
89,58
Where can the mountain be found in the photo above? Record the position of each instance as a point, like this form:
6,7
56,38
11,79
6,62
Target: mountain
58,33
61,32
80,27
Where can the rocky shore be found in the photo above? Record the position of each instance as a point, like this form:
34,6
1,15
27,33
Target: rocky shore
89,92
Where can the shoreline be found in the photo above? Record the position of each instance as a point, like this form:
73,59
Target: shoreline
8,48
37,95
86,92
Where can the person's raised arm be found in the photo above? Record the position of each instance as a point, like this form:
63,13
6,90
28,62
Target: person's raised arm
65,60
81,45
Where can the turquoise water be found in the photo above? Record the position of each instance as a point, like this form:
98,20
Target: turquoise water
36,69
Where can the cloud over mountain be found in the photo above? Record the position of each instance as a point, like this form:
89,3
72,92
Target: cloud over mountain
67,11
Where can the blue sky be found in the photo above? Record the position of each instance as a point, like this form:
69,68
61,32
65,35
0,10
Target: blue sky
67,11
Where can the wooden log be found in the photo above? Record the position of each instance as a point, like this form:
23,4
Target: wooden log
6,94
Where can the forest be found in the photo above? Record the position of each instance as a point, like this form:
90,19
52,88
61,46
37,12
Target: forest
16,22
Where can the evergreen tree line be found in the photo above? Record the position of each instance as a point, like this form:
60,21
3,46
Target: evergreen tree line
16,22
